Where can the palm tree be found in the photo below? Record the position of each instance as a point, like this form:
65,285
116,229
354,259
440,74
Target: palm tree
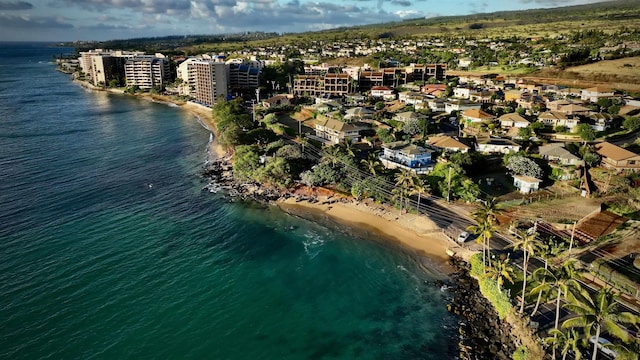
302,141
371,163
484,229
599,311
489,208
500,271
565,341
331,154
420,187
528,244
546,252
348,147
562,280
405,179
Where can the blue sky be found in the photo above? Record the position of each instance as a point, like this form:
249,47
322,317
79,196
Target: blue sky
67,20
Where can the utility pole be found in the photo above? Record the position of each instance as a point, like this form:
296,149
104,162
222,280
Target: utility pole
449,184
572,235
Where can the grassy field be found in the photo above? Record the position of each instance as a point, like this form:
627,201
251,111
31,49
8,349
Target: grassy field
629,67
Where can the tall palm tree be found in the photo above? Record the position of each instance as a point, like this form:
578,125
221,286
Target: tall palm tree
528,244
500,271
489,208
546,252
561,280
599,311
420,187
565,341
405,179
484,229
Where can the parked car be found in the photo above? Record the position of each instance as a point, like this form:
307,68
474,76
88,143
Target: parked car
462,237
604,349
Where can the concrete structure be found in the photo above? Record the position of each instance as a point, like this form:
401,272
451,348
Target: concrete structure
402,154
337,84
147,71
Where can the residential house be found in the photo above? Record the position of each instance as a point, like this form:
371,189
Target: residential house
555,118
410,97
513,120
476,115
617,158
512,95
436,105
491,145
384,92
460,105
556,152
448,143
557,104
484,96
601,121
595,93
407,116
433,90
526,184
402,154
335,131
574,109
358,113
462,92
277,100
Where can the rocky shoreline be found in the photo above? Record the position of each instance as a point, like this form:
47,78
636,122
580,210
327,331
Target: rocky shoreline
482,334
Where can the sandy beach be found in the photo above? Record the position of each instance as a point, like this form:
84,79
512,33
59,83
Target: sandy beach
410,231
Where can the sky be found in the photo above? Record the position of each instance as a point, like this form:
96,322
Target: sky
71,20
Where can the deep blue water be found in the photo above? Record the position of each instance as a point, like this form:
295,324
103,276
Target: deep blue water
109,249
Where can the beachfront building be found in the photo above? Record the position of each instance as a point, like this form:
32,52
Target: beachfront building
105,70
404,155
210,81
147,71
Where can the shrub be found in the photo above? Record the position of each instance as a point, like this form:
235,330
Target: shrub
489,289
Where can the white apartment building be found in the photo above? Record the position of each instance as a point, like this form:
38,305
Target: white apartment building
147,71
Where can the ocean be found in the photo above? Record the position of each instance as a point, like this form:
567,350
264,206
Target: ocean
109,249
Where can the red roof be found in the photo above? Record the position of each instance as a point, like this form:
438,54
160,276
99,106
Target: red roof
380,88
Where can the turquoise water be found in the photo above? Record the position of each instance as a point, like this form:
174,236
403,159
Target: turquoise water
109,249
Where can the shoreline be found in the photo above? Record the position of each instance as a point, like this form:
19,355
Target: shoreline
410,232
